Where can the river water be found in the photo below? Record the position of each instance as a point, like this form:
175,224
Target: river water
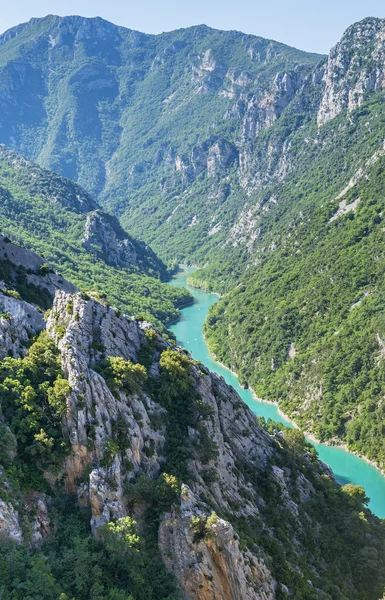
347,467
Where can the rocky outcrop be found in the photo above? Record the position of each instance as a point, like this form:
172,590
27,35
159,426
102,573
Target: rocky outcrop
214,157
9,522
200,549
36,506
36,269
222,155
104,236
203,552
267,105
99,234
21,319
93,330
18,322
355,66
93,411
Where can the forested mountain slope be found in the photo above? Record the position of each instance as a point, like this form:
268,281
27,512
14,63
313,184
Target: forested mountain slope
129,471
305,323
58,219
160,129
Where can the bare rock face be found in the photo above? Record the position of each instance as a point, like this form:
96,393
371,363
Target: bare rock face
90,330
38,272
203,552
221,156
18,322
36,506
19,319
214,157
9,518
100,235
200,549
9,522
267,105
104,236
355,66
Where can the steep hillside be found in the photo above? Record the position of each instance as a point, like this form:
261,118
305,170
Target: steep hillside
128,470
305,324
58,219
161,128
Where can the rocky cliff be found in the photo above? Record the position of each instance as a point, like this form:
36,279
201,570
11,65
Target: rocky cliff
138,426
355,67
104,237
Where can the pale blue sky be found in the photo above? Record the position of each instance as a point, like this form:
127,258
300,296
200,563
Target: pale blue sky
311,25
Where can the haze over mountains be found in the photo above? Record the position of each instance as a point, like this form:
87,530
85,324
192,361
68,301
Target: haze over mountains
261,164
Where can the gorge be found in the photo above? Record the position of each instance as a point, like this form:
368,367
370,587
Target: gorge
133,465
346,467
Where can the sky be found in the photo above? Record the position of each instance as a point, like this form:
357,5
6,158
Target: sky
311,25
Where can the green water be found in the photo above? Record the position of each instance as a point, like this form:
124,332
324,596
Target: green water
347,467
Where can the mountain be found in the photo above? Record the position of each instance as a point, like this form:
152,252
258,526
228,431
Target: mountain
131,471
61,221
303,320
157,128
257,161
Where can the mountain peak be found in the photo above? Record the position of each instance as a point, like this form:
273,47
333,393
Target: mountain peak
355,66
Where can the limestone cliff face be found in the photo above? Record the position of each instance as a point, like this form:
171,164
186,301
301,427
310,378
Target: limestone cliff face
20,319
211,565
33,507
37,271
267,105
119,434
104,236
18,322
92,329
84,331
213,157
100,235
355,67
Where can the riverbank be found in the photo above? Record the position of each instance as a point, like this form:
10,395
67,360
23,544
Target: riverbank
348,467
336,443
308,434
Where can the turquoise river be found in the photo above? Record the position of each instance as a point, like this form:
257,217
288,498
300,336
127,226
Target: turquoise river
346,466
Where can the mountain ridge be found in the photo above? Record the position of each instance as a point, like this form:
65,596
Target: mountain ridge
55,216
9,33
